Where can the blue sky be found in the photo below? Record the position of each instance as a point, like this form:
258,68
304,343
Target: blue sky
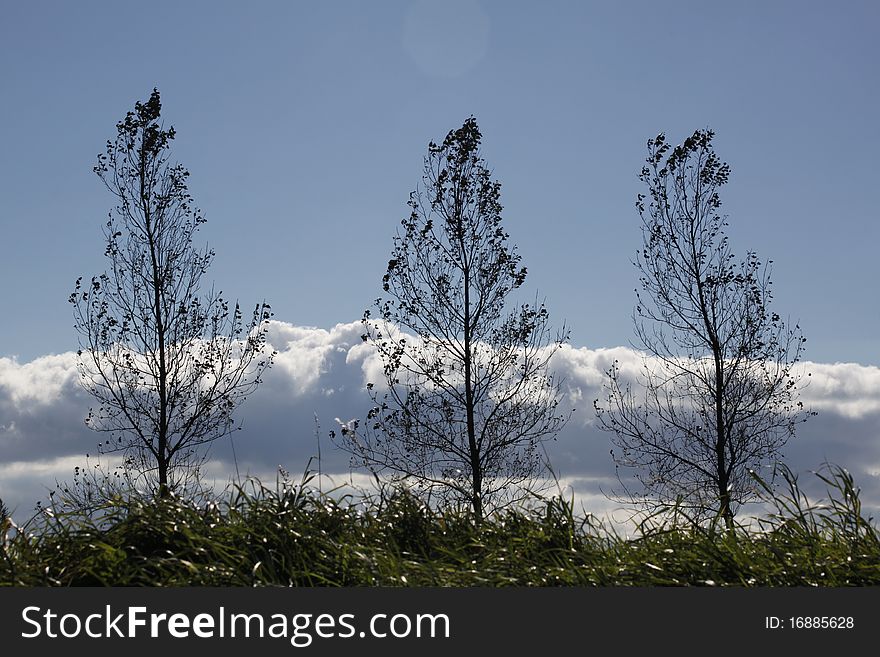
304,126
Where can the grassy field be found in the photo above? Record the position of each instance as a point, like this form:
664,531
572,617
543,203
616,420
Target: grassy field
294,535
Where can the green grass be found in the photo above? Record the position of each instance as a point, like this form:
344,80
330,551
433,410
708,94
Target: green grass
294,535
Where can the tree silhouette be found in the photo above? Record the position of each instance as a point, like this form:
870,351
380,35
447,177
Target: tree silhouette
468,399
166,362
717,391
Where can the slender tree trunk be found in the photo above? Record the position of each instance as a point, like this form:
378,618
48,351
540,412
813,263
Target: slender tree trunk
157,280
164,491
724,508
476,469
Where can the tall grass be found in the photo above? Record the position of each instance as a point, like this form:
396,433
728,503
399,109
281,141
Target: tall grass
294,535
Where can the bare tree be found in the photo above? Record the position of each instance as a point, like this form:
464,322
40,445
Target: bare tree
6,526
469,398
166,362
717,395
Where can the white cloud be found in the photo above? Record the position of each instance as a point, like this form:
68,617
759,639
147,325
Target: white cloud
324,372
39,382
847,389
26,482
304,352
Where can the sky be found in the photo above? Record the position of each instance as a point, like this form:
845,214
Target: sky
304,127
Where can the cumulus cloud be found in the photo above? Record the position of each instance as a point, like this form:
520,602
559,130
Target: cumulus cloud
38,383
845,389
321,374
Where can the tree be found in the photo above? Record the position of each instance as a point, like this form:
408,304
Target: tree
469,398
6,525
718,390
167,363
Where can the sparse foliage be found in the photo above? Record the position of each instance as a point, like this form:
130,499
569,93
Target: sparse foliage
717,395
167,362
468,397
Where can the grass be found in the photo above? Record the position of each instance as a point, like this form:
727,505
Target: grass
292,535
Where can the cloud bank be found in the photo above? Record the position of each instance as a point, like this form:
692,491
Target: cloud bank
321,374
